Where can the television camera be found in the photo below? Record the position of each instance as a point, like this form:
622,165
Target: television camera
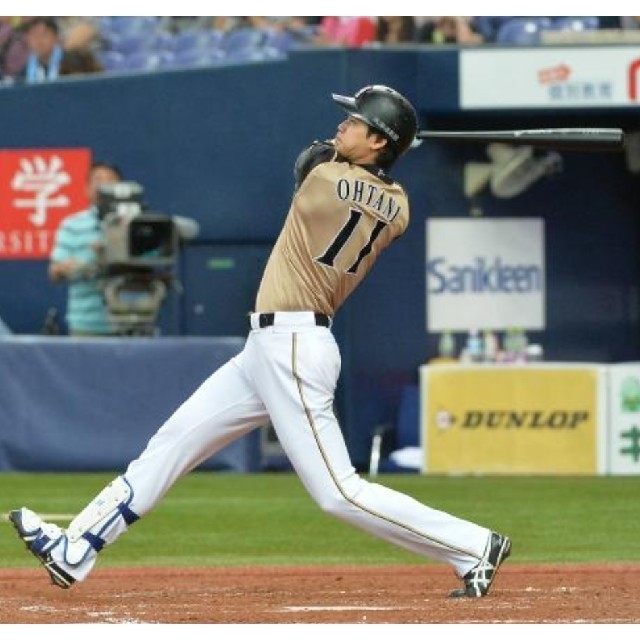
138,258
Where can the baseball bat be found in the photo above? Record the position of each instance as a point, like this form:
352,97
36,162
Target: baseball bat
579,139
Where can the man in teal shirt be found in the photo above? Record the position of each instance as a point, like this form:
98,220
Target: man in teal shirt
74,260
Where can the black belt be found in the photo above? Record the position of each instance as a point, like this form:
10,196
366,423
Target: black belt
268,320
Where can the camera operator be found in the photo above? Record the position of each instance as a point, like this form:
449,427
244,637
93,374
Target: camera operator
117,258
75,260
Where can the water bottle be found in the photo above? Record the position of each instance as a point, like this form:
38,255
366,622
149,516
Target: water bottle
509,344
520,344
491,346
474,346
447,346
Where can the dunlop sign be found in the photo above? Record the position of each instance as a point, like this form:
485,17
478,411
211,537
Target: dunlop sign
508,419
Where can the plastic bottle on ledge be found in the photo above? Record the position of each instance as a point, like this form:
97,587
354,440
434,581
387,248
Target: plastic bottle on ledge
491,346
474,346
446,348
520,344
509,345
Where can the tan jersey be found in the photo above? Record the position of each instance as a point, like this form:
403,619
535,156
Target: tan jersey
341,218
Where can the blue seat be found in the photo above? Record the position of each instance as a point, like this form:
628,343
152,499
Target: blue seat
488,26
130,43
161,41
193,58
522,31
239,43
403,434
142,61
576,23
192,40
127,25
280,41
111,60
257,54
214,37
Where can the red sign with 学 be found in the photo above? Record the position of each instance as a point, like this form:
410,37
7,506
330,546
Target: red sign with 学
38,188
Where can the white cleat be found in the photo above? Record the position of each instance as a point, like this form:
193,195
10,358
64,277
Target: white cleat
40,538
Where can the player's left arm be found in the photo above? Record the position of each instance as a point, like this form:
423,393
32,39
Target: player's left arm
316,153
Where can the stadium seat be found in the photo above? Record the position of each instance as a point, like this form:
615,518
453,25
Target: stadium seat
111,60
395,443
130,43
280,41
576,23
242,42
161,41
128,25
192,40
193,58
142,61
522,31
488,26
213,38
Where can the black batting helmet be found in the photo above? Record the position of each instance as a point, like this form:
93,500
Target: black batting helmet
386,111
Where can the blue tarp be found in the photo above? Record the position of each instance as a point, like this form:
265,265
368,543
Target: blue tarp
91,404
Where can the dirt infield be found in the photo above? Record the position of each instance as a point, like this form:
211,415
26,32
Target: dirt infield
345,595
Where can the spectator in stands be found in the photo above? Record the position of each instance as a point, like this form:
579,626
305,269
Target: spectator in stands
300,29
300,26
79,61
347,31
179,24
13,48
42,37
448,30
80,33
395,29
625,22
488,26
75,260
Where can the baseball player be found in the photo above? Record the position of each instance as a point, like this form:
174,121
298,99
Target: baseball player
346,210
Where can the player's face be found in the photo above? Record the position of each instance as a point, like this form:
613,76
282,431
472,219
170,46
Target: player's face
356,143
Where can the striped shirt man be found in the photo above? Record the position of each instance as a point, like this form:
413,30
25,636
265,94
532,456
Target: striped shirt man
76,239
74,259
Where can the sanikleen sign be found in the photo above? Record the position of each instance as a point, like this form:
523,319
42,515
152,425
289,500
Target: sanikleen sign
513,420
485,273
553,77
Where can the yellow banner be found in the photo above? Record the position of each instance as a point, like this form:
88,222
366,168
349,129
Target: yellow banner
506,421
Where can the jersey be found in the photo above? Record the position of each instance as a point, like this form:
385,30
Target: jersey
340,220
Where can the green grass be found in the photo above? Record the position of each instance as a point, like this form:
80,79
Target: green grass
218,519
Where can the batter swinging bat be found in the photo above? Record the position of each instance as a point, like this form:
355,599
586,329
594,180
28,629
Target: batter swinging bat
585,139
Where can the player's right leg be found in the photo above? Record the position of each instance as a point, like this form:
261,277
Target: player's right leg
221,410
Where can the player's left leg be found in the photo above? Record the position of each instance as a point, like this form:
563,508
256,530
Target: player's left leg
297,384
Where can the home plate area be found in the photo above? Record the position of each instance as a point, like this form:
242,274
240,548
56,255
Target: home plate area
523,594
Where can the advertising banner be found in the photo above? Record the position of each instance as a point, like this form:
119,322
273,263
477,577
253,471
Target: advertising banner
531,419
624,419
38,188
553,77
485,273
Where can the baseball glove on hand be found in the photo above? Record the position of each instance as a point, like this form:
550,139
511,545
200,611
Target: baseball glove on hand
316,153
